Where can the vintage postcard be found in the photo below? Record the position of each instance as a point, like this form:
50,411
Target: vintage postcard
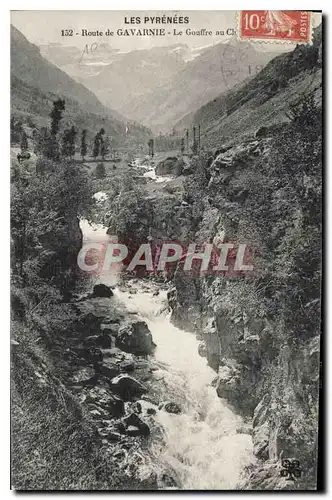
166,250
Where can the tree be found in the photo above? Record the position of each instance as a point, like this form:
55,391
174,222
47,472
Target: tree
98,143
56,115
182,145
24,142
47,141
44,212
68,142
151,151
84,148
96,146
104,148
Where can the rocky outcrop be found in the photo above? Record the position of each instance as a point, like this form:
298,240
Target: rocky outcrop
261,332
127,387
135,338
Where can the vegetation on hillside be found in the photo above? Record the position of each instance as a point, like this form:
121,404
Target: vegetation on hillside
268,193
53,444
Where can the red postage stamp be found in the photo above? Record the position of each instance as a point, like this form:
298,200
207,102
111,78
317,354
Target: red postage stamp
285,25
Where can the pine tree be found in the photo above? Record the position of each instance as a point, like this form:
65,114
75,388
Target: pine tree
56,115
151,148
84,148
104,149
96,146
98,143
50,148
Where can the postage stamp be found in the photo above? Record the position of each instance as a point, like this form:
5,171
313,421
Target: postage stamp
276,25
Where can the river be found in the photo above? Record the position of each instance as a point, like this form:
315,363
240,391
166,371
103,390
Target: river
206,443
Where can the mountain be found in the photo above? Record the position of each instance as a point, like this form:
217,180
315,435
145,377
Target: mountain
120,79
262,100
160,85
36,82
79,64
214,71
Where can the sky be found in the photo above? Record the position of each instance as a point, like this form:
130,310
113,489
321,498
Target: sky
44,26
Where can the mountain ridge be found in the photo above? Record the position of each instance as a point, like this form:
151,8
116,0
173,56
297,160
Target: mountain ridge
160,85
261,100
36,82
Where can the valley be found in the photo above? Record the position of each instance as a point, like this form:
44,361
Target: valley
129,380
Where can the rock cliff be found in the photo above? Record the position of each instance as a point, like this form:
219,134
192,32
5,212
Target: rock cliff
261,332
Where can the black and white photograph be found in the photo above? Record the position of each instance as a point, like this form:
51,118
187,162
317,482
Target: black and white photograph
166,242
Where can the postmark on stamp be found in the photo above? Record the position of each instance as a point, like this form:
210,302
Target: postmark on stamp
276,25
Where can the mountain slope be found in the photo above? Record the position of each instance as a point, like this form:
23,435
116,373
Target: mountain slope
262,100
214,71
126,81
160,85
28,65
35,83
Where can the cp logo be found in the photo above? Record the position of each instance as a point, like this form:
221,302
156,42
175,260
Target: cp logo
290,469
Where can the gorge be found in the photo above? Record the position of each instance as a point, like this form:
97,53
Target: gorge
168,380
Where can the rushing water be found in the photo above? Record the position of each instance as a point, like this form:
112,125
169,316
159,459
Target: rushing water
205,443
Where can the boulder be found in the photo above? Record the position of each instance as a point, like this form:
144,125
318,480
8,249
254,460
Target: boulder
111,329
83,374
135,338
127,387
170,407
102,290
105,340
127,366
202,350
134,431
147,398
108,369
135,426
114,352
86,323
100,398
91,355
